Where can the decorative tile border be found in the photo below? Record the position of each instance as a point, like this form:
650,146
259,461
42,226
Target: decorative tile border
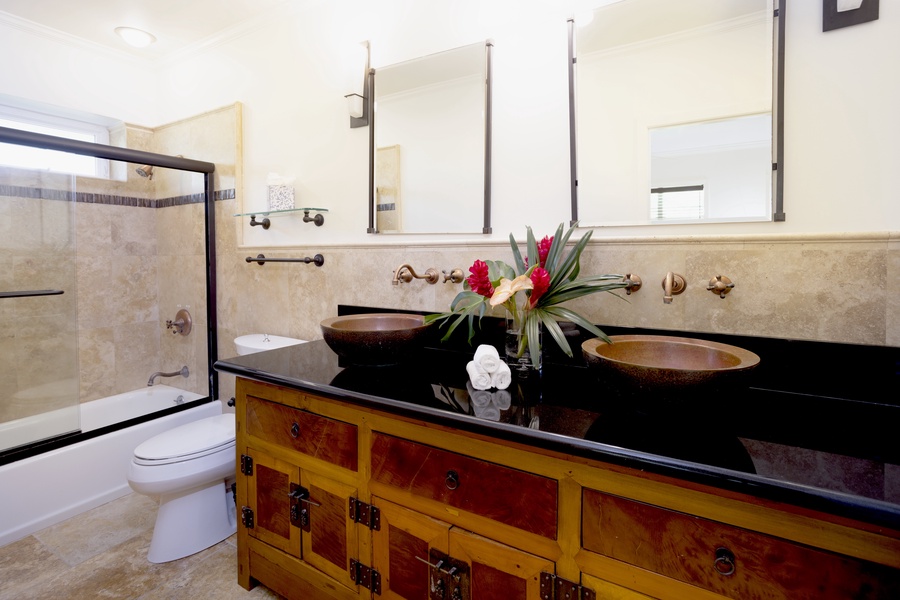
16,191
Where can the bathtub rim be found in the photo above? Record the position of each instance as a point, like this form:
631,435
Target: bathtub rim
66,439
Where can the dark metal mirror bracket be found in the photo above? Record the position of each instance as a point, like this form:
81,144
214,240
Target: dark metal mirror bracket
488,126
573,170
261,259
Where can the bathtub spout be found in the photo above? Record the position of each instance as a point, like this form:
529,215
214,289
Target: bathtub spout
183,372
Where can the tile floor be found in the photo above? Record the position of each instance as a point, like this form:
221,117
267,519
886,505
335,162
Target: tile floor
103,554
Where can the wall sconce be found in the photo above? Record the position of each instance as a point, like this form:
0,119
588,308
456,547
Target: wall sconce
359,102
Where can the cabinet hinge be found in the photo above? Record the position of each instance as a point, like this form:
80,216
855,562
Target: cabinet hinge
247,517
365,576
367,514
557,588
246,465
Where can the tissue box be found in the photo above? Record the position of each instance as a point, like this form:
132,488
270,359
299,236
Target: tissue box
281,197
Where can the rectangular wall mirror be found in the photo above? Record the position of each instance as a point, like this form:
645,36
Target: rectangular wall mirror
675,112
430,149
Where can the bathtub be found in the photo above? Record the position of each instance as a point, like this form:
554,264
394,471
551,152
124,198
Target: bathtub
41,490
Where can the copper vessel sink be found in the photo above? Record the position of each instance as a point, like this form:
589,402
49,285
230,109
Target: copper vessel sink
658,362
375,339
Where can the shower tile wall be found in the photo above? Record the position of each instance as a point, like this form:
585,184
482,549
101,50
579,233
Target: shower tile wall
37,244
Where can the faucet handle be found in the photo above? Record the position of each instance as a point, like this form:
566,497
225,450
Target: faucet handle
632,283
720,285
454,276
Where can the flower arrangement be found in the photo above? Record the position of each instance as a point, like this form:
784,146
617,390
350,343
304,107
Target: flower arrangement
531,293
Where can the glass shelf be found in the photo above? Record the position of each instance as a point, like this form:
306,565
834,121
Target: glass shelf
275,213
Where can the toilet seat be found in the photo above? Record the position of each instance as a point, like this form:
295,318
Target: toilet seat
188,442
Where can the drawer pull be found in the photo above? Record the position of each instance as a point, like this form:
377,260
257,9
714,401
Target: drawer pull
724,564
295,430
452,480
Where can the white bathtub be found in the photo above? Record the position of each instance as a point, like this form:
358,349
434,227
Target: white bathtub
48,488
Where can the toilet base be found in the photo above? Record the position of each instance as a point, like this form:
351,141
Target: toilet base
191,521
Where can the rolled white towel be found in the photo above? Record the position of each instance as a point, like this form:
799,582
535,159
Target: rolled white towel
479,378
487,358
478,398
502,377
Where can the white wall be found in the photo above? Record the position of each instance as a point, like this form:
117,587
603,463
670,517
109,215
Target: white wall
842,123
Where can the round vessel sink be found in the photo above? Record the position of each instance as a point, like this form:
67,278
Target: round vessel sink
375,339
659,362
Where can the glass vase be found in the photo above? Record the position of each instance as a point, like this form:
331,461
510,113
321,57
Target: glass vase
521,364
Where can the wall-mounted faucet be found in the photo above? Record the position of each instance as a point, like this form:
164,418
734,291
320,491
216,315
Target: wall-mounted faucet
181,324
673,284
183,372
405,273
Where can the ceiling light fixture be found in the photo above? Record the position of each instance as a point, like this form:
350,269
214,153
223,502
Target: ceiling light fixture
135,37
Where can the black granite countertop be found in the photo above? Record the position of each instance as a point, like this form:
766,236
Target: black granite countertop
831,452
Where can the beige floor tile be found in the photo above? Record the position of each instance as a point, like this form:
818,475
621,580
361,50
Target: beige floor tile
25,563
81,559
96,531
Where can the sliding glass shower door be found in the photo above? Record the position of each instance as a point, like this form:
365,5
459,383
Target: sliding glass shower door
39,385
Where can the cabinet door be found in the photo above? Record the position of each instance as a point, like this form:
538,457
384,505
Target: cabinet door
497,570
268,496
401,549
329,538
316,529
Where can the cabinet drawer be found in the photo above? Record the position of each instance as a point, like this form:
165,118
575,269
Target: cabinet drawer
730,561
509,496
320,437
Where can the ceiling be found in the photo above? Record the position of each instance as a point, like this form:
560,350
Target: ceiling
176,24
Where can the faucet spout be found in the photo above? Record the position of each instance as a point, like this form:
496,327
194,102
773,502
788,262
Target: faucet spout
673,284
406,273
183,372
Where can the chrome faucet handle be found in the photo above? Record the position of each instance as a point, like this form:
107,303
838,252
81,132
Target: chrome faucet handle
720,285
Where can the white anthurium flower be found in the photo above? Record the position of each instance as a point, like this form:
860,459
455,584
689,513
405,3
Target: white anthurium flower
507,288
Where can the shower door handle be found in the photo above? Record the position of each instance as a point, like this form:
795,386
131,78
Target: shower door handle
30,293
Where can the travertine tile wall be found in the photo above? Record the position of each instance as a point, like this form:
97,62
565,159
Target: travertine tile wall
826,288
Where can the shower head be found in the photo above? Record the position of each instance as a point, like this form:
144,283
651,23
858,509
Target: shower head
145,171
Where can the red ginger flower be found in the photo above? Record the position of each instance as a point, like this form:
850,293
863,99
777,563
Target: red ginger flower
544,249
540,279
479,279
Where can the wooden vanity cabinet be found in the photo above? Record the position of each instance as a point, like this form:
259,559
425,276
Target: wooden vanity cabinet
341,502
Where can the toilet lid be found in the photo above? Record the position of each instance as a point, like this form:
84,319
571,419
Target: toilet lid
191,440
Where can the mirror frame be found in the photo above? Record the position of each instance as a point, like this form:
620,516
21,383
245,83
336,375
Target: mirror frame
777,117
488,122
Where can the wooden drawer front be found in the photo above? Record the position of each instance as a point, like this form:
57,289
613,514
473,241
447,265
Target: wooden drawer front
320,437
684,547
509,496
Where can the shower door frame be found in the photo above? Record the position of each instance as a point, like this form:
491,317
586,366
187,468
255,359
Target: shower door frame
103,151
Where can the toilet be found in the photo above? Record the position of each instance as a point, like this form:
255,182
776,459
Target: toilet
190,468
